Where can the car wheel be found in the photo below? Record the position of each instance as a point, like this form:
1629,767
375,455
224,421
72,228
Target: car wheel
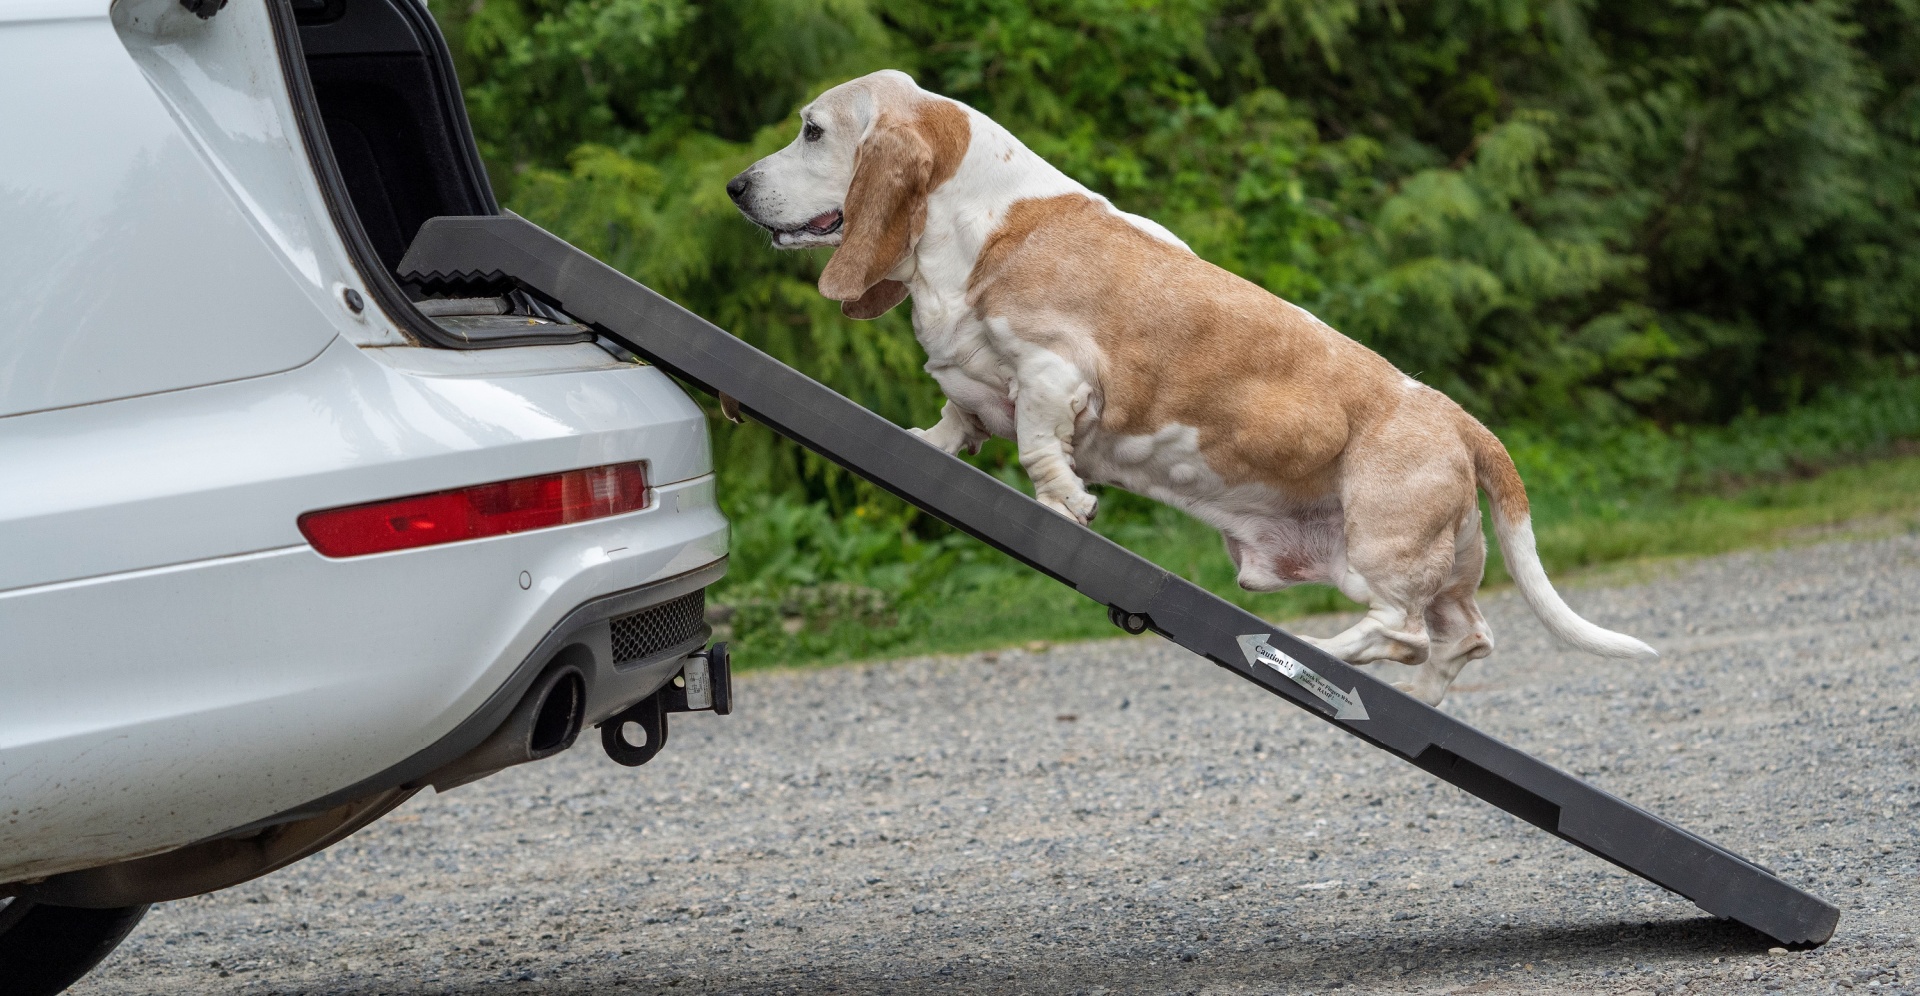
44,949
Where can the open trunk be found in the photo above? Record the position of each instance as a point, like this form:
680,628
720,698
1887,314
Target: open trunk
380,108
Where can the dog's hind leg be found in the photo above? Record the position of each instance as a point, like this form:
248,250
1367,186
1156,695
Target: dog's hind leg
1396,581
1457,632
1394,628
1402,520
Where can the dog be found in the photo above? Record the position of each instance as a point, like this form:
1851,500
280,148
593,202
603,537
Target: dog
1111,353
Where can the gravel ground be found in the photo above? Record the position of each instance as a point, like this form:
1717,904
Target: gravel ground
1121,817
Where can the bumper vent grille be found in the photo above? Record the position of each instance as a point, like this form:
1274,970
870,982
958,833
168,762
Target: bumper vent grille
642,634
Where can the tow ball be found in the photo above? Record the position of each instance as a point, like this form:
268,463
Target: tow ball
704,684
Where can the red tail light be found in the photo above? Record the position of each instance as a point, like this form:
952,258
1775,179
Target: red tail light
482,510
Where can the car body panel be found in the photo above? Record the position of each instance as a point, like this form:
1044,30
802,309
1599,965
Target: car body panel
29,11
132,265
228,468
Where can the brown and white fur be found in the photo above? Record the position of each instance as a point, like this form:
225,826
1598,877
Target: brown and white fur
1110,353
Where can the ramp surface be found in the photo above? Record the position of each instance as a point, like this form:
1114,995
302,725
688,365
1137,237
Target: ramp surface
511,250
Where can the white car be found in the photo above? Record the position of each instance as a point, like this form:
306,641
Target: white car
283,541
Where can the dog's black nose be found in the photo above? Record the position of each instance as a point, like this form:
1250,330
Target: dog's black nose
737,187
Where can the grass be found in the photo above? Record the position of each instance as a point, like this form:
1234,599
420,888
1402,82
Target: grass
1007,605
1873,497
809,587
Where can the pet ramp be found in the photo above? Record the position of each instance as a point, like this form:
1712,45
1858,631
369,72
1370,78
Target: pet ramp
507,249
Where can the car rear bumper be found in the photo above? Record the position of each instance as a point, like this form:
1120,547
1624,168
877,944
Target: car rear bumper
154,697
626,646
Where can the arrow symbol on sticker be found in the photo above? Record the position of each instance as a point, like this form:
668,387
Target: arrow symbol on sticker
1346,705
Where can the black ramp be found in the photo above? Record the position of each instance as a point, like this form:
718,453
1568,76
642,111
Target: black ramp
510,249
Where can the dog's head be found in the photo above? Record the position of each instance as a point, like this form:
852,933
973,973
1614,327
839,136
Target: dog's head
857,176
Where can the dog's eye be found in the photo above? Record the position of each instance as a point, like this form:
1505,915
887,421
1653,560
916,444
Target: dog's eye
812,132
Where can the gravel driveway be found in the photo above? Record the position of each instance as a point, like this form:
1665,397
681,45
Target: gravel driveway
1121,817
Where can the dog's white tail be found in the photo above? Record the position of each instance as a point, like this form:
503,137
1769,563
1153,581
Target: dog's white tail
1513,524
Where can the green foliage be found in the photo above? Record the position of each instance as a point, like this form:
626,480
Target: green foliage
1597,225
1581,471
1669,210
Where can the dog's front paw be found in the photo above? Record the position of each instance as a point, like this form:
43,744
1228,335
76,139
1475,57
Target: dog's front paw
932,438
1078,507
940,439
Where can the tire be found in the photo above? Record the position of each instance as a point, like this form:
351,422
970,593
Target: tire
44,949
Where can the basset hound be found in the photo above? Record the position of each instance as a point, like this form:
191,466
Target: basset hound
1109,352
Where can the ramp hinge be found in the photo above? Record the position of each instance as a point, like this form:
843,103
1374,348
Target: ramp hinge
1135,623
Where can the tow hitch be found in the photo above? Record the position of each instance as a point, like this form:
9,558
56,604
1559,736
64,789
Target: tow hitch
704,684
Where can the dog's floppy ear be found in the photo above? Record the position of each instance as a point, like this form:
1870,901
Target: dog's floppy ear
885,210
878,300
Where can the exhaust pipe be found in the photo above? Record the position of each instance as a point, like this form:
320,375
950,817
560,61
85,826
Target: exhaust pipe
544,723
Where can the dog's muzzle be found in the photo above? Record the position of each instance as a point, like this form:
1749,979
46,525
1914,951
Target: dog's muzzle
819,230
